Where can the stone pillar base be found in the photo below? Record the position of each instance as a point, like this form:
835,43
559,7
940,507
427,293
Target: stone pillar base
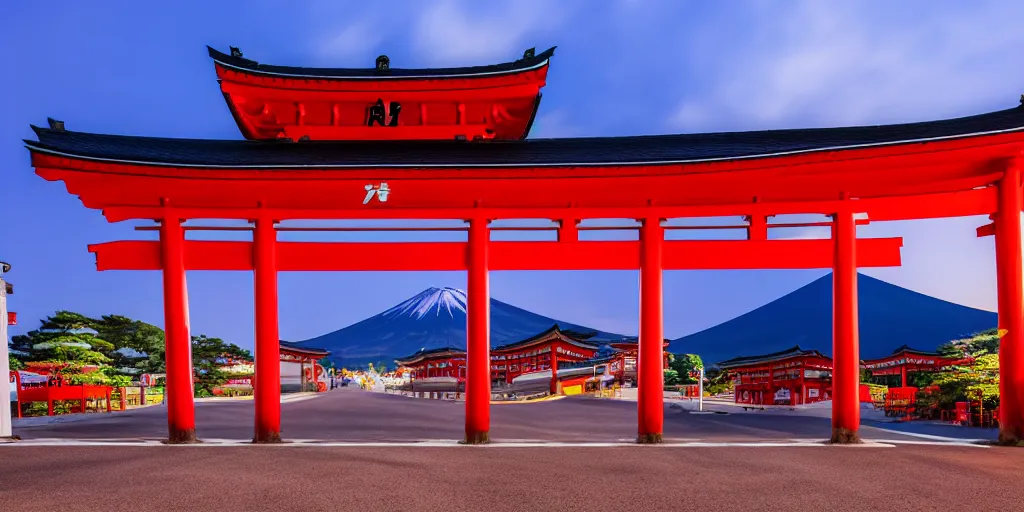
477,438
649,439
182,437
267,438
1010,438
845,436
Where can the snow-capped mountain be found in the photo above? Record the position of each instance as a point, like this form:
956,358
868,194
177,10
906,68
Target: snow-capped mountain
434,318
432,301
890,316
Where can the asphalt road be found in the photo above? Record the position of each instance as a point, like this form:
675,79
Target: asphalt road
355,416
900,474
464,478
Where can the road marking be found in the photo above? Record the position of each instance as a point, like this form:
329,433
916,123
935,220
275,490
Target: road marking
933,437
444,443
933,443
299,398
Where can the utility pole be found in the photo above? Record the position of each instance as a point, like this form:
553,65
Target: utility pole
700,390
5,367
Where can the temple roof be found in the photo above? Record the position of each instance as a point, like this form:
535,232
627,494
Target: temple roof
768,358
568,152
574,337
908,350
430,354
632,340
294,347
251,66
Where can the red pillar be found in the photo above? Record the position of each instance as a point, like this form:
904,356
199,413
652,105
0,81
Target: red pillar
845,343
181,415
650,373
554,370
268,345
478,345
1011,308
903,376
757,228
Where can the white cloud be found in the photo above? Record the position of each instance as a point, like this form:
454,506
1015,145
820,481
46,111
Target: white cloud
554,124
821,64
449,34
352,42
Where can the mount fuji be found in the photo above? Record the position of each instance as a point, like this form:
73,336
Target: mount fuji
889,316
434,318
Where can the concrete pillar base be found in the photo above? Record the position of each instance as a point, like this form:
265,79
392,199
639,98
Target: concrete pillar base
845,436
182,437
649,439
477,438
1009,438
267,438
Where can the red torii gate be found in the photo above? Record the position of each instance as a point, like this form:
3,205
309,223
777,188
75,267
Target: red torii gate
958,167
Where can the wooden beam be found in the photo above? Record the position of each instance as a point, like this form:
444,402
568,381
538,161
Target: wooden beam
952,204
451,256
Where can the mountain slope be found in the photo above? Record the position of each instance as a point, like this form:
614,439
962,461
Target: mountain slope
434,318
890,316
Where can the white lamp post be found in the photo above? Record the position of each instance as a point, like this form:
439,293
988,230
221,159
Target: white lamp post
5,367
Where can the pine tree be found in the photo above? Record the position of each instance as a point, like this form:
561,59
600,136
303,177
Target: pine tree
67,342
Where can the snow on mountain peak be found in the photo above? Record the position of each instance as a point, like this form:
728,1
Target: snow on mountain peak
431,301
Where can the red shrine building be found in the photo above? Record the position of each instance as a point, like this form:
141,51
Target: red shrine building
444,362
905,360
300,370
444,369
448,144
789,377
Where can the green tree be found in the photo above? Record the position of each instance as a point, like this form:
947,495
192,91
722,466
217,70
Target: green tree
208,356
718,382
684,364
969,381
14,363
67,339
138,336
671,377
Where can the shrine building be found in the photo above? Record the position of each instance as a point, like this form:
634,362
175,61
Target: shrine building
444,369
451,144
905,360
789,377
300,370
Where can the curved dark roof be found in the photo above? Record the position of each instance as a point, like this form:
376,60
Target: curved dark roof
294,347
767,358
251,66
422,354
631,340
570,152
908,350
578,337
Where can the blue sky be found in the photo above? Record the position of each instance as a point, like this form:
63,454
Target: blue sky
621,68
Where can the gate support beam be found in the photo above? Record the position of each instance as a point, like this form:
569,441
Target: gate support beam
650,371
267,380
181,415
845,342
451,256
478,332
1011,307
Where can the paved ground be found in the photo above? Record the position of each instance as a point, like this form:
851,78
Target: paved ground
711,462
356,416
460,478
